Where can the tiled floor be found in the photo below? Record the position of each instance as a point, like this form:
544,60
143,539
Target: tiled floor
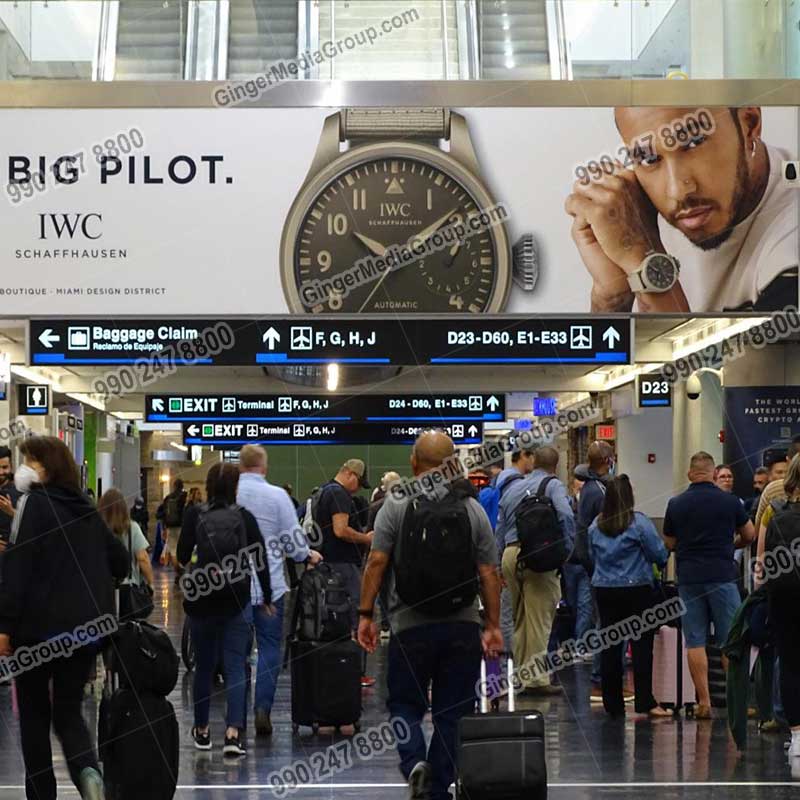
588,755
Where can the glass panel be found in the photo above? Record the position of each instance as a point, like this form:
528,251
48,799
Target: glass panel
261,32
48,40
402,39
514,39
389,40
150,40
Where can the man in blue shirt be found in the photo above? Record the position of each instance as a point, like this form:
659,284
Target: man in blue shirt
283,538
534,595
704,525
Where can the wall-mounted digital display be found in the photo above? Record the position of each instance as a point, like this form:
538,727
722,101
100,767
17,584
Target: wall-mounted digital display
487,210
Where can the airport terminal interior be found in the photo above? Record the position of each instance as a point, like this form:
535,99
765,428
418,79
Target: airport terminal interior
366,263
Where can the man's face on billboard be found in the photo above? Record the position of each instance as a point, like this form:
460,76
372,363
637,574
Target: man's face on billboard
701,187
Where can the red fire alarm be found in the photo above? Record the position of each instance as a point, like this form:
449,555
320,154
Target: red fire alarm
722,437
651,458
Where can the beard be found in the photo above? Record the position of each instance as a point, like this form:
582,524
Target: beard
739,208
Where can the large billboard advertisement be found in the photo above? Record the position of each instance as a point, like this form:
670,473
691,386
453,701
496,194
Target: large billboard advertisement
758,420
435,211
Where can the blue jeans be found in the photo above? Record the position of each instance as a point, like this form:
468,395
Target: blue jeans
269,636
579,596
706,602
235,633
777,701
448,655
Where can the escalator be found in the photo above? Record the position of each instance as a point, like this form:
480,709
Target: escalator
514,40
150,42
260,32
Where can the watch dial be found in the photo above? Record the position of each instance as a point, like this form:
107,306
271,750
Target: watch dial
391,202
661,272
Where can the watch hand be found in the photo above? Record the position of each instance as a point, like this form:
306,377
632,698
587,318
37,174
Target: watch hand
453,253
374,247
432,228
377,286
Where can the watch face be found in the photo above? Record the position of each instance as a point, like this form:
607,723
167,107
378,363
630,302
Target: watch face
392,202
660,272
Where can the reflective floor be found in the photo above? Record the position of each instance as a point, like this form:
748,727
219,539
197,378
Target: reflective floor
589,756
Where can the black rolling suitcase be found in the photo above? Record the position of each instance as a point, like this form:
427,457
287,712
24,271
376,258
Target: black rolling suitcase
326,683
137,730
501,756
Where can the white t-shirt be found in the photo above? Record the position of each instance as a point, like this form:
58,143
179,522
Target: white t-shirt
760,248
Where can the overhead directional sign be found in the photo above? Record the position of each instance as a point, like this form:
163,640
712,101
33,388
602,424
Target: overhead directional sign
433,408
228,434
346,340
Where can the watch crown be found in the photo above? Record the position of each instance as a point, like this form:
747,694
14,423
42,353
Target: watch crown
526,263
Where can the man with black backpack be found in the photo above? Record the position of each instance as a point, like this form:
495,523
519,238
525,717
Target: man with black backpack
431,556
489,498
170,512
536,531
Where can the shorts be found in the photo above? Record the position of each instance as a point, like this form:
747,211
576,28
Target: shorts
351,575
171,542
707,602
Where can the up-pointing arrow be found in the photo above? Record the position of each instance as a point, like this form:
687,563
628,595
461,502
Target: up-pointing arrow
611,336
271,338
472,430
193,430
48,338
493,403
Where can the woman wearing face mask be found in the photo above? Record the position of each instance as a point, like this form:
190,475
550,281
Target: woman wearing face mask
57,582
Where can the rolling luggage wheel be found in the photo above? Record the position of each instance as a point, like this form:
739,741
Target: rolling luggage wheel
315,728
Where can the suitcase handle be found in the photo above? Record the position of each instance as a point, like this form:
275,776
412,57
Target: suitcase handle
509,673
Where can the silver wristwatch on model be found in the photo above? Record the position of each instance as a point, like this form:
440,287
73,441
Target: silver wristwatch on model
658,273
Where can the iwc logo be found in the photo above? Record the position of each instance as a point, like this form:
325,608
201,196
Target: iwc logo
395,209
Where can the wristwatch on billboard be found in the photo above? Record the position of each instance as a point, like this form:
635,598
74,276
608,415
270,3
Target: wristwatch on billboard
658,273
396,187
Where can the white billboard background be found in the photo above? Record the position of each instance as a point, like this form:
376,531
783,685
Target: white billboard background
213,249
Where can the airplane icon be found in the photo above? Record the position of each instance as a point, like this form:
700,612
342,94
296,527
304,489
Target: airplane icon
301,338
580,337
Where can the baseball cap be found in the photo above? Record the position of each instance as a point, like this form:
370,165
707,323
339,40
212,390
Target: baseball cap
357,465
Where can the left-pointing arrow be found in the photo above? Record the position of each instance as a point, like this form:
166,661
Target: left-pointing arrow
48,338
193,430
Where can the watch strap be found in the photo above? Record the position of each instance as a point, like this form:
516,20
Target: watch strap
636,281
387,123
